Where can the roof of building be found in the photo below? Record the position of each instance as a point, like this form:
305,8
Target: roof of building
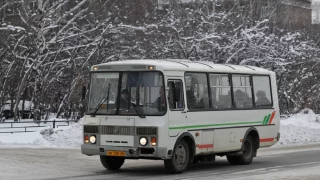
182,65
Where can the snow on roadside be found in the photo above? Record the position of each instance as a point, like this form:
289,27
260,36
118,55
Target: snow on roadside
17,139
299,129
63,137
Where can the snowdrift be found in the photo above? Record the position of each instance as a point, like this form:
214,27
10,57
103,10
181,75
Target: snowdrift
64,137
70,137
299,129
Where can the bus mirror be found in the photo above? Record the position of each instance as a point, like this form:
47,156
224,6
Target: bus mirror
84,91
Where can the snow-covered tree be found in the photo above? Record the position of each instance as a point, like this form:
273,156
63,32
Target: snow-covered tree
48,46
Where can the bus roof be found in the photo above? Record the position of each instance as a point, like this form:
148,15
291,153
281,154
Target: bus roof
184,65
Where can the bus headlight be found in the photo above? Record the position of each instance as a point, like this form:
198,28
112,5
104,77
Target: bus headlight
143,141
93,139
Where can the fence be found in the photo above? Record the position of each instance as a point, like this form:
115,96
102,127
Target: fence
285,116
26,128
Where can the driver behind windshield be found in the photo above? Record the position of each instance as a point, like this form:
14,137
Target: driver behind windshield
160,103
124,99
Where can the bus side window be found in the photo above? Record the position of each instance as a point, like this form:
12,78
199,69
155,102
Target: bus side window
220,91
197,94
262,91
175,96
242,91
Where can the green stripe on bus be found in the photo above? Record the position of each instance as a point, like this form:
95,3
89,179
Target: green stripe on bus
268,119
213,125
265,119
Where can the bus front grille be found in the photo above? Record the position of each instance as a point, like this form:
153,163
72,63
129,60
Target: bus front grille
128,130
117,130
146,131
90,129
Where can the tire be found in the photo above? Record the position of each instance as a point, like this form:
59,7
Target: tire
248,153
196,159
232,160
180,159
112,163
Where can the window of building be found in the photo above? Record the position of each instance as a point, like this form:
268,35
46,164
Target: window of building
242,91
197,91
33,6
220,91
262,91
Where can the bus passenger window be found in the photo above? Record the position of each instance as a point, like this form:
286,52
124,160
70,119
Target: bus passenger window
220,91
197,91
261,86
242,91
175,96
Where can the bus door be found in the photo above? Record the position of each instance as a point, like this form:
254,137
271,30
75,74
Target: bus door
177,113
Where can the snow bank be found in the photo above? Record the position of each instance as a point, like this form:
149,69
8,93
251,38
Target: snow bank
20,139
64,137
299,129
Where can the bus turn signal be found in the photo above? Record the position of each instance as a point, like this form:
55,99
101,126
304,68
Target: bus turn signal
153,141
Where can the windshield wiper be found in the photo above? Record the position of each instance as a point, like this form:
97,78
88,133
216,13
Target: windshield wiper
138,110
136,106
101,102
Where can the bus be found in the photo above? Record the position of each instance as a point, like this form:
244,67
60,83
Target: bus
179,111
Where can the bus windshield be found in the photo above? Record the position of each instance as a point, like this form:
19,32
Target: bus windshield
140,94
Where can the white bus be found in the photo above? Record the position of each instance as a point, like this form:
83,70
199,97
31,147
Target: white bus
179,111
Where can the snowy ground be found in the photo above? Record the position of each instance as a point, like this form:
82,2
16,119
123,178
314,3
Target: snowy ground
285,163
45,136
28,125
302,128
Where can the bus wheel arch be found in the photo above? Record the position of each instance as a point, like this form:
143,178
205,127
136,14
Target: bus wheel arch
254,134
191,143
184,144
250,144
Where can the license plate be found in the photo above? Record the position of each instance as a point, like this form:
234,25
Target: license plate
116,153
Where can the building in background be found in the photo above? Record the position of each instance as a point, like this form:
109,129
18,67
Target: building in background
290,15
296,15
315,6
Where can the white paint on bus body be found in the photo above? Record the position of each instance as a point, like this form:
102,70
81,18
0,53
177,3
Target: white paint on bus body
218,131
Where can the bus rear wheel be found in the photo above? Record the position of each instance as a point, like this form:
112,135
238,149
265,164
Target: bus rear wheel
248,153
180,159
112,163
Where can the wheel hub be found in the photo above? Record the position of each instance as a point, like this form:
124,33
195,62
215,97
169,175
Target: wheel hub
247,149
180,155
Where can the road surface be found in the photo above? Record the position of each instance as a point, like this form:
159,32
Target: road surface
69,164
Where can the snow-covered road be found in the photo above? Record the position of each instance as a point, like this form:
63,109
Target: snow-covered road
272,163
38,155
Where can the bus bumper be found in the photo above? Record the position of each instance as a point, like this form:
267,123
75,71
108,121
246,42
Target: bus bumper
278,136
130,152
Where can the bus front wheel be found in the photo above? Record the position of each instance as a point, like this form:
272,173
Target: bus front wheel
180,159
112,163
